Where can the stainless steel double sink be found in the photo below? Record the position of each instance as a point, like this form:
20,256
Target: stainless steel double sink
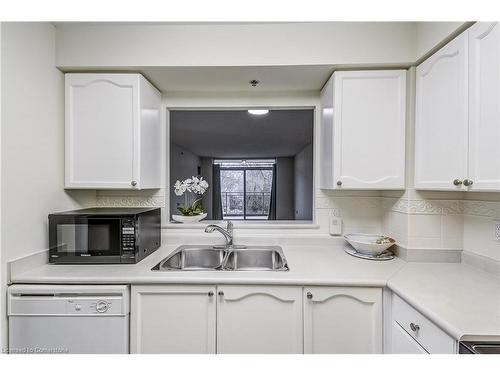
213,258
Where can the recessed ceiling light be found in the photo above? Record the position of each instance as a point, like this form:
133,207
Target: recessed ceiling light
258,112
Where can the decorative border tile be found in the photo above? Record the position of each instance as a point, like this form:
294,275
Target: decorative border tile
482,208
343,203
443,207
127,201
428,207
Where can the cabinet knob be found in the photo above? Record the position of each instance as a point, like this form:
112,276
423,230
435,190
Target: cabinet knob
133,183
339,183
211,294
221,293
468,182
414,327
309,295
457,182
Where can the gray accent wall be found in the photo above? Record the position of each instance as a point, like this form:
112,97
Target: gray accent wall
284,188
303,176
183,164
207,174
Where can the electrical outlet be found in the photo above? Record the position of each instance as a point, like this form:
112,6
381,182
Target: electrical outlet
497,230
335,225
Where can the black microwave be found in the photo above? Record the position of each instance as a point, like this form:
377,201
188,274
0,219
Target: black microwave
103,235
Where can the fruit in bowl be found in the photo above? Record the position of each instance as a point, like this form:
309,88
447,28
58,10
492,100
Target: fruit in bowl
370,244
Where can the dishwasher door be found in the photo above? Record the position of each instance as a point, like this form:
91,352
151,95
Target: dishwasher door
68,319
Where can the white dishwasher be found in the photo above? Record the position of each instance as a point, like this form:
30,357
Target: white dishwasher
68,318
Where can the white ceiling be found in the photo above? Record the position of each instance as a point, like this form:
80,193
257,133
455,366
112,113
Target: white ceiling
237,134
233,78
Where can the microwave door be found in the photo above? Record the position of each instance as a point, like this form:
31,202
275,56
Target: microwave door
73,238
104,237
89,237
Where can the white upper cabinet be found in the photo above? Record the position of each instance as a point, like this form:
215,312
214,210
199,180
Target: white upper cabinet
457,131
342,320
112,132
442,118
259,320
484,106
363,130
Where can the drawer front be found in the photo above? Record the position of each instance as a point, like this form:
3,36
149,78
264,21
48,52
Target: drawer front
403,343
426,333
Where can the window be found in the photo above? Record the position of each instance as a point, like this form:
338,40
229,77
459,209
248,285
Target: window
257,167
246,187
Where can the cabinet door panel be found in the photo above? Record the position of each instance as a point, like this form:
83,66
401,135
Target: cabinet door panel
484,106
442,118
342,320
369,140
173,319
258,319
101,120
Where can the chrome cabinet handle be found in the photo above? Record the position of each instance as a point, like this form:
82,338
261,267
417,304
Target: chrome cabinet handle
468,182
221,293
457,182
339,183
211,294
309,295
414,327
133,183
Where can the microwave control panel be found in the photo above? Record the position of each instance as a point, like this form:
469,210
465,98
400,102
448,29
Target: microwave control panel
128,238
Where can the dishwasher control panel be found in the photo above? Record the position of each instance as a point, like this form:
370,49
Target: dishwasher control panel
48,300
103,306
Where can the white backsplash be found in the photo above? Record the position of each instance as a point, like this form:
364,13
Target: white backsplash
418,224
443,225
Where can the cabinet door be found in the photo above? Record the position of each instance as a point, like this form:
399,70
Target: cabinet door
484,106
342,320
369,129
403,343
259,319
173,319
442,118
101,127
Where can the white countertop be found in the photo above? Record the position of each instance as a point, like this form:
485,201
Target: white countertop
311,265
463,301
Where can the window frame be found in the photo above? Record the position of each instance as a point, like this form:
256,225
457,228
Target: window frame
244,169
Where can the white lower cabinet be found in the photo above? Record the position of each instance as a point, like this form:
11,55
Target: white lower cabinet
403,343
412,332
342,320
255,319
259,319
173,319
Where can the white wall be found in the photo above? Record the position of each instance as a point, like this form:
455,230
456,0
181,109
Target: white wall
91,45
32,143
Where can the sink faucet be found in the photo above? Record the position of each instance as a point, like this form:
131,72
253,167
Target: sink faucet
227,233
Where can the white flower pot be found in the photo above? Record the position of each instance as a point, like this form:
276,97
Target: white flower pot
189,219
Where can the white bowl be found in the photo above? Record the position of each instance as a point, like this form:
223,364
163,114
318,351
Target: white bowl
366,243
189,219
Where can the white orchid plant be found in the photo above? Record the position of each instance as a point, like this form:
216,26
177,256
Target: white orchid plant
196,187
